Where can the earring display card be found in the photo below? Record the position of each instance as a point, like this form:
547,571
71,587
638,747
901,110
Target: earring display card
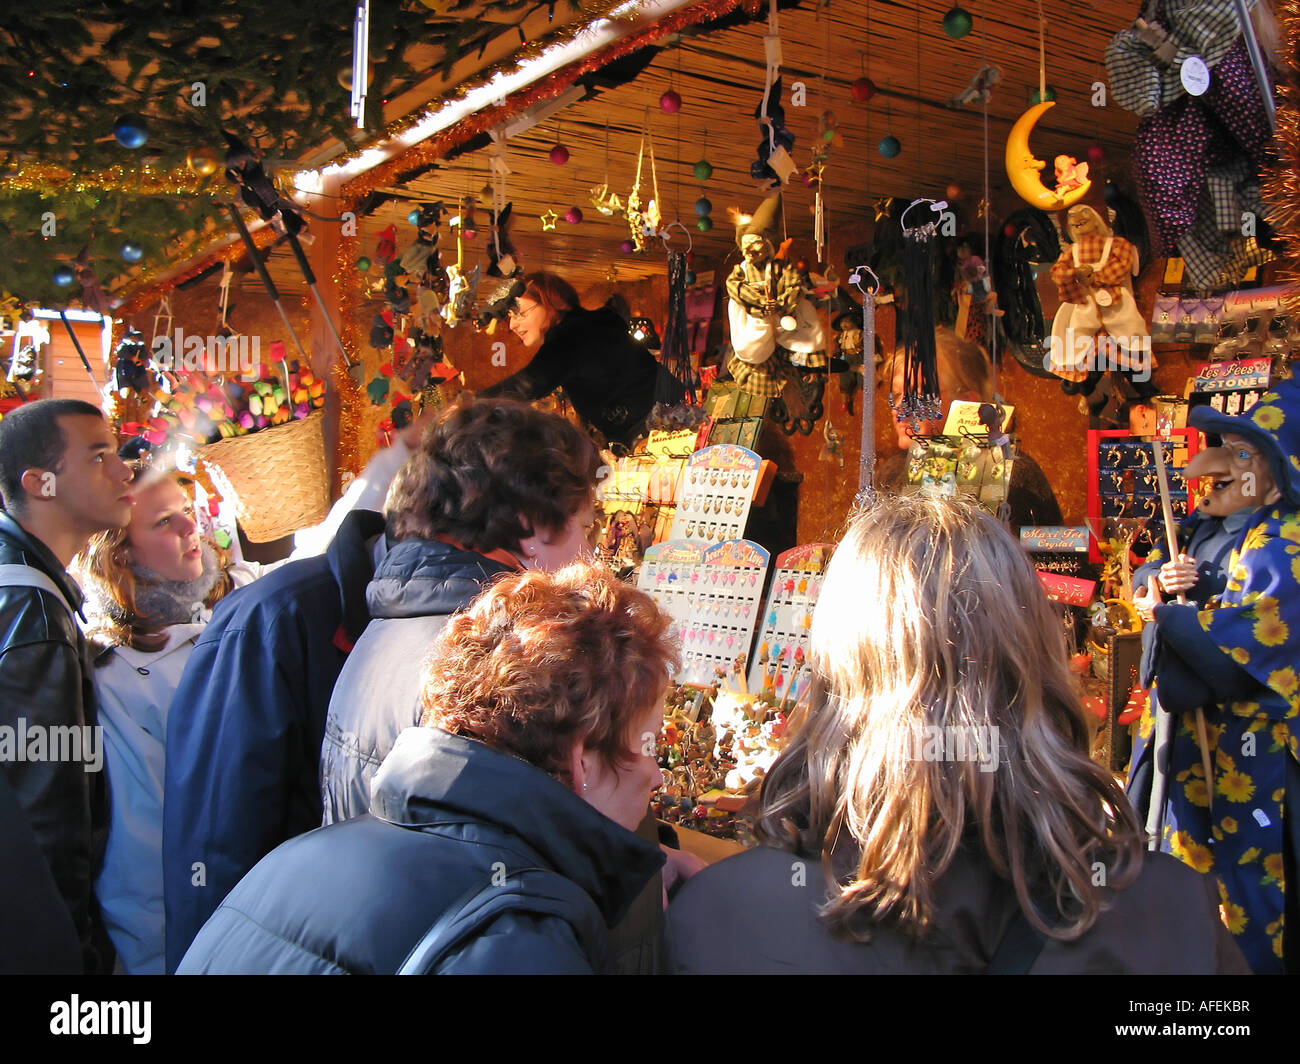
715,494
670,573
1122,482
778,668
713,596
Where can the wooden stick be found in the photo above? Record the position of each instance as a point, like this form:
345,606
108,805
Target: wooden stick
1171,538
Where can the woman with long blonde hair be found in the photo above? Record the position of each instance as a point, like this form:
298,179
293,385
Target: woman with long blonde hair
942,785
150,588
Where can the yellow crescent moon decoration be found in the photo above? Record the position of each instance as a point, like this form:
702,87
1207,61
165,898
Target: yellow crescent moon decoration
1023,168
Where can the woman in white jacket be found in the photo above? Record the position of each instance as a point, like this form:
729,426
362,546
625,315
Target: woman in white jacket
150,588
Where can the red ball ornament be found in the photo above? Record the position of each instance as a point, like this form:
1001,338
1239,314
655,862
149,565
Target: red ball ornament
863,89
1095,154
573,216
954,192
1009,230
559,155
670,102
801,266
626,247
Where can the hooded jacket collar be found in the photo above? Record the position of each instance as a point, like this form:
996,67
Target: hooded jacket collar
423,578
432,777
31,551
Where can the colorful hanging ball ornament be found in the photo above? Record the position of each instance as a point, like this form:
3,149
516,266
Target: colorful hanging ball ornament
1036,97
957,23
414,216
559,155
1095,154
703,170
64,277
363,264
131,251
573,216
890,147
863,89
703,207
131,131
954,191
670,103
626,247
203,161
704,224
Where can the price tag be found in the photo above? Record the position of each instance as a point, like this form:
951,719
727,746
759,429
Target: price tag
1195,75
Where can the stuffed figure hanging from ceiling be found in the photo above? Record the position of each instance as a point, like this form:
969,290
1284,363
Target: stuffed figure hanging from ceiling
1196,158
763,292
1094,280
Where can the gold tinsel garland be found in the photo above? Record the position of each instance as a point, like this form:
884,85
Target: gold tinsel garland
1281,183
352,397
142,180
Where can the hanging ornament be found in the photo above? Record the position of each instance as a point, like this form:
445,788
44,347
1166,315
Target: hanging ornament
548,218
131,131
1024,170
413,217
690,277
703,170
704,224
920,400
131,251
703,207
863,89
1047,93
573,216
1096,154
363,264
203,161
626,247
559,155
890,146
670,103
64,276
954,191
957,23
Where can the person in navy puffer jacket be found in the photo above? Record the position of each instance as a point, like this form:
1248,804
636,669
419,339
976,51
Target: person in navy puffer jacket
528,761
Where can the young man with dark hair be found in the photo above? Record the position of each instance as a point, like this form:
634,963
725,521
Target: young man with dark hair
61,481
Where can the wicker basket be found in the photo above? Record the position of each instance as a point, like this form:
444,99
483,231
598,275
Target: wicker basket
276,477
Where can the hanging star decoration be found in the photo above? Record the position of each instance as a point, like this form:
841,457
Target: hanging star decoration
608,203
982,208
881,207
548,220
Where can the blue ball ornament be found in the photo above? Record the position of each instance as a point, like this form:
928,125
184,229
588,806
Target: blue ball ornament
690,277
131,251
414,216
703,207
131,131
64,277
890,147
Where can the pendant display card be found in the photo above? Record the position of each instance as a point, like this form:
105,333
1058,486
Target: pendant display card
715,494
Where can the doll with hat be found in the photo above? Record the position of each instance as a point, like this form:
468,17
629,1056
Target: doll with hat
1239,656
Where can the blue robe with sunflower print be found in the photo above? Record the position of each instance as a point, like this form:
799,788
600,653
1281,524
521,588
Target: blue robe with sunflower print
1256,624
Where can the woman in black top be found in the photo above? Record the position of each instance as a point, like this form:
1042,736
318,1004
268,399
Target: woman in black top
611,380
